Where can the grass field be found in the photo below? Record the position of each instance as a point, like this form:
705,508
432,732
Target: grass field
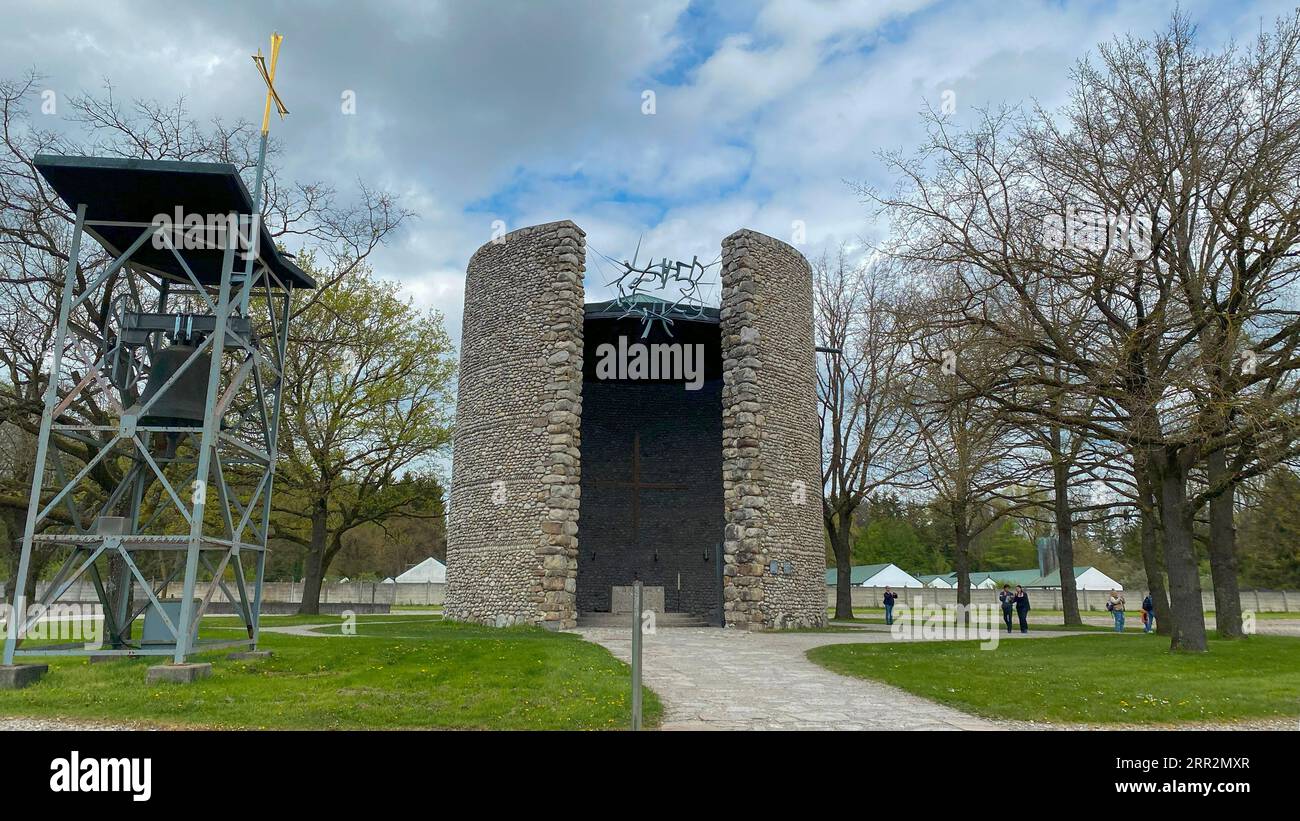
421,672
1094,679
878,614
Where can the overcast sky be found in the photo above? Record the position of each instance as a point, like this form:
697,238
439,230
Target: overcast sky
527,112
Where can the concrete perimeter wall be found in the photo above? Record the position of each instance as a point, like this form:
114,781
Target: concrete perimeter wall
338,593
1260,601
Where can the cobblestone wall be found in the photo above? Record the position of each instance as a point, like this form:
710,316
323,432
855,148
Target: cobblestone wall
512,540
771,454
512,553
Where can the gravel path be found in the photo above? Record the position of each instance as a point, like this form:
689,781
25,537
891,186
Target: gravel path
30,724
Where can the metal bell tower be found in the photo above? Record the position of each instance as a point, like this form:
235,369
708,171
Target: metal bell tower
188,356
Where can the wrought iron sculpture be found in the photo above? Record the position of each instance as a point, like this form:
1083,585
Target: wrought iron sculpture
638,287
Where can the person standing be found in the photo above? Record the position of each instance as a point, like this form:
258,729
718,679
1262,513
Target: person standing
1021,599
1148,613
1008,600
1115,604
890,598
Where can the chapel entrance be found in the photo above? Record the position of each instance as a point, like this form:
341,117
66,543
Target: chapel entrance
651,501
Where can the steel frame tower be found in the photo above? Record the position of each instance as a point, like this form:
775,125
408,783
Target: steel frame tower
199,493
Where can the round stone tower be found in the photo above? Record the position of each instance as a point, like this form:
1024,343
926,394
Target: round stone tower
512,536
514,528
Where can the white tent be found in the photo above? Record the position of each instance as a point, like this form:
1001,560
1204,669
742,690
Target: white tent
429,570
1093,579
889,575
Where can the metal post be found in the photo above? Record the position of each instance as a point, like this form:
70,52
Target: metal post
636,655
18,598
282,347
207,447
254,228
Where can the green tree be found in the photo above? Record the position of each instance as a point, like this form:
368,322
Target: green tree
1269,534
1006,548
366,410
891,534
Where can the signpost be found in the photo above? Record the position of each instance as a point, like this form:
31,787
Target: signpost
636,655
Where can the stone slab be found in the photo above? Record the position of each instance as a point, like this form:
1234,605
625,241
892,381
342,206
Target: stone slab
652,598
177,673
18,676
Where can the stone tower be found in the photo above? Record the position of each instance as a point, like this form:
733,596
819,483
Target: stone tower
515,525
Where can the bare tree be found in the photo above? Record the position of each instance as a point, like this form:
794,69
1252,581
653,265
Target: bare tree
868,441
974,463
1135,211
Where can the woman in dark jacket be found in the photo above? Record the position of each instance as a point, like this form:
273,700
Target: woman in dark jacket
1008,600
1022,608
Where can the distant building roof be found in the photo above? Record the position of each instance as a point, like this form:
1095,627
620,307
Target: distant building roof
429,570
1098,580
1014,577
858,574
877,575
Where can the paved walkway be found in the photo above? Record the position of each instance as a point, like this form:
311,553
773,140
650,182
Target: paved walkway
714,679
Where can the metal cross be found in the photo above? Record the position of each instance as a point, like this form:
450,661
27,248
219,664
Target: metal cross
637,486
268,76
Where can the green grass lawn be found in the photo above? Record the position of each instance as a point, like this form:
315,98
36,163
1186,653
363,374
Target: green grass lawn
1096,679
421,673
1134,616
847,626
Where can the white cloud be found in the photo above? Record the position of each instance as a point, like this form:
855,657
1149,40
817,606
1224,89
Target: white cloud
536,108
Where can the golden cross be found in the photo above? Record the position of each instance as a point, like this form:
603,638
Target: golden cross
269,78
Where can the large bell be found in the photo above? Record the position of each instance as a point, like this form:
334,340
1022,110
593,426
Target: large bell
183,404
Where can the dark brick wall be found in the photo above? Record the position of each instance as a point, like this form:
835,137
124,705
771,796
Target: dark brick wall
680,444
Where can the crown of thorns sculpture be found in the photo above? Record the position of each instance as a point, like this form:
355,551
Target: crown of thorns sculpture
639,281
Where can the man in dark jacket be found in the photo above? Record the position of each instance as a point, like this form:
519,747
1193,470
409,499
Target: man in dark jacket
890,597
1022,608
1148,614
1008,600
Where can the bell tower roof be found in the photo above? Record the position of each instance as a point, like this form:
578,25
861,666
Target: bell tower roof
123,195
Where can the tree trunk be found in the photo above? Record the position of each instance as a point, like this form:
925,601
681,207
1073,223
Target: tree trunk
314,567
1188,616
15,521
842,545
1151,558
1065,540
961,560
1223,552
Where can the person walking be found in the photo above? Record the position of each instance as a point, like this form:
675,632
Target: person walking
1148,614
890,598
1022,608
1115,604
1008,600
